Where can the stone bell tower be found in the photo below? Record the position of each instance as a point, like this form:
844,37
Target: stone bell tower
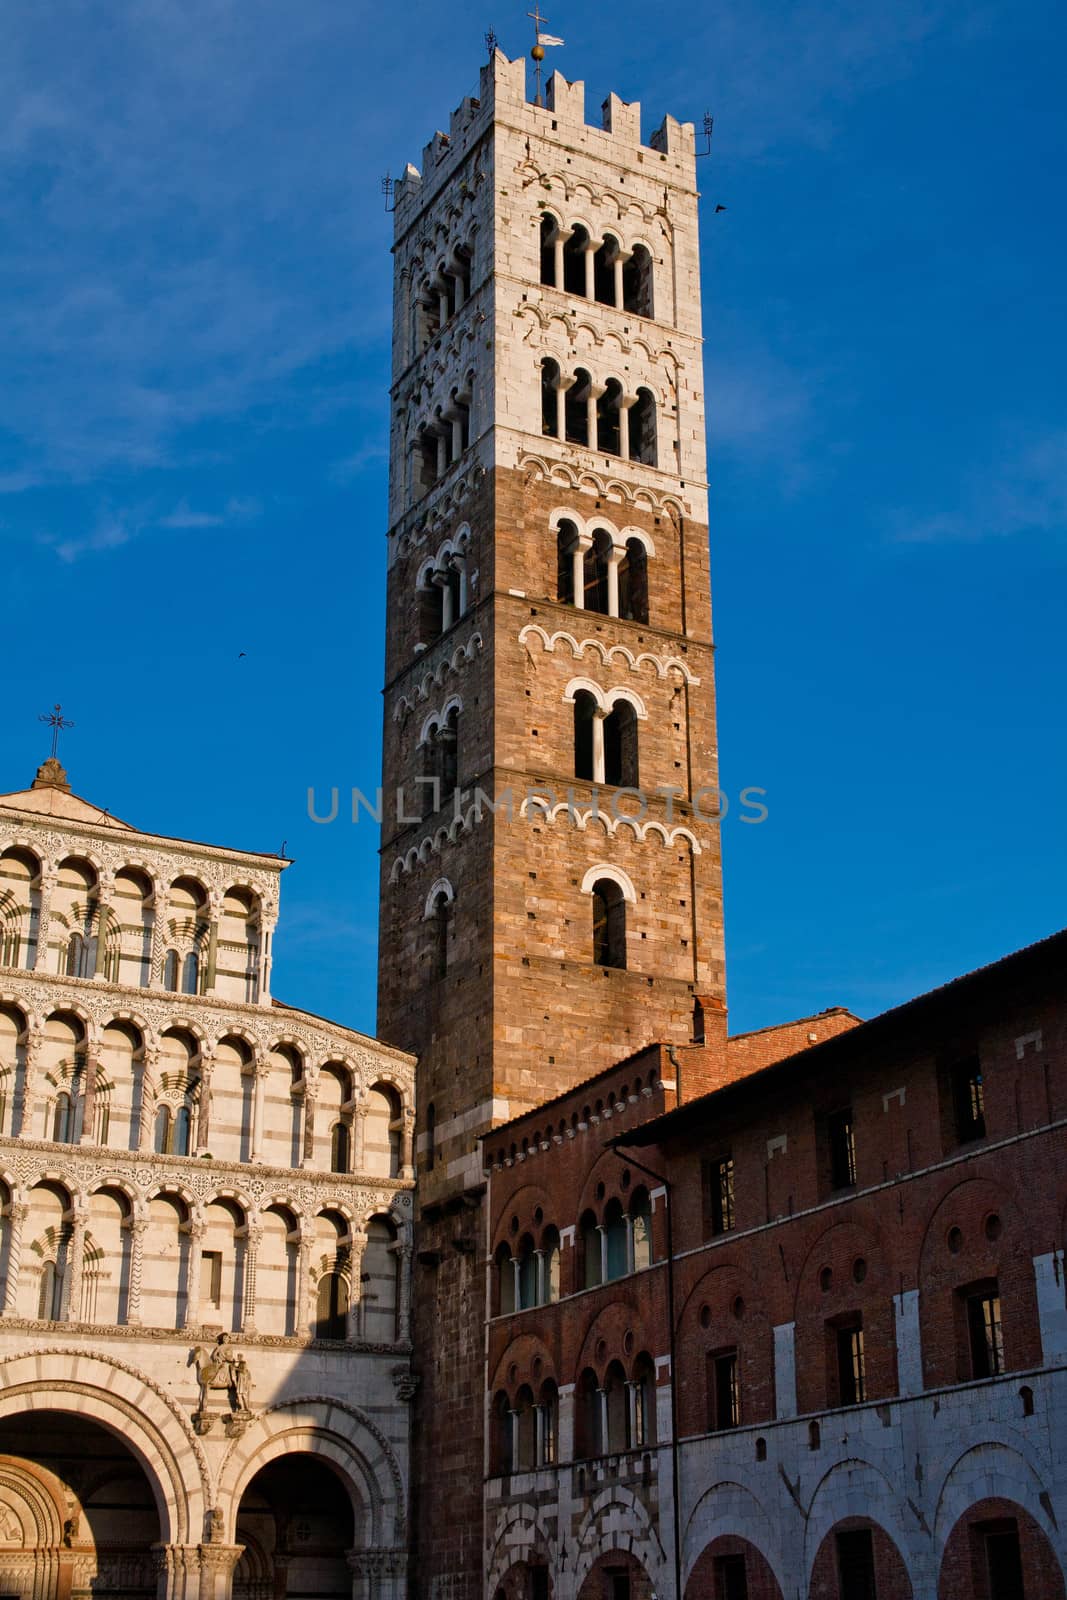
551,883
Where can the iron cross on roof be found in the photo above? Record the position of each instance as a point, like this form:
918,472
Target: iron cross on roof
57,722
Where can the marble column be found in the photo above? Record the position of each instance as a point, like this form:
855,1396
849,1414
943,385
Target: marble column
17,1213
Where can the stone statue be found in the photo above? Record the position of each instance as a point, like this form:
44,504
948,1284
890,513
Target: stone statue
241,1383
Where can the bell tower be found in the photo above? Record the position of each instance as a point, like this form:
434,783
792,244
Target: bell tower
551,876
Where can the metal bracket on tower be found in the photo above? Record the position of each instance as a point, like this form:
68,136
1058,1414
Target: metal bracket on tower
389,191
709,123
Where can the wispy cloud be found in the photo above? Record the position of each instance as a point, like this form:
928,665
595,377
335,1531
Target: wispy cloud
114,528
1024,491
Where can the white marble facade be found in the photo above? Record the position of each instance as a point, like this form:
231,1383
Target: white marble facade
206,1234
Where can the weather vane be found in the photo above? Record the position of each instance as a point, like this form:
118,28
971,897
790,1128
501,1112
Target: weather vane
541,39
57,722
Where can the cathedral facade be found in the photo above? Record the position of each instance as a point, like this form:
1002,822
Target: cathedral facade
206,1235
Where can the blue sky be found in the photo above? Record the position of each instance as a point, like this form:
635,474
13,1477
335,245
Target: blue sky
195,287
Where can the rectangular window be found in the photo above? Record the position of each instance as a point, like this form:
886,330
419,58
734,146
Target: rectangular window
731,1579
968,1100
619,1579
211,1277
724,1395
855,1565
840,1131
539,1583
851,1373
720,1194
1003,1563
984,1330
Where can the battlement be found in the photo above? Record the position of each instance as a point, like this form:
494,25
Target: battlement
503,95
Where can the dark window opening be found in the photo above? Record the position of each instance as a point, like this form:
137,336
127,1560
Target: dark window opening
633,582
550,398
855,1565
584,713
609,924
576,408
720,1191
620,746
637,283
724,1397
608,418
642,420
985,1334
731,1578
566,540
1003,1559
968,1100
331,1312
339,1148
574,251
548,250
851,1367
604,271
595,573
841,1135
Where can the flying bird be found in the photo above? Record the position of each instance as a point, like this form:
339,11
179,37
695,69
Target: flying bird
240,655
718,209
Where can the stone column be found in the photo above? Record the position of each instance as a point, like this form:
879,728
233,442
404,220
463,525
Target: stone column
442,301
599,718
17,1213
138,1226
103,910
179,1572
403,1314
44,919
460,564
590,270
583,543
217,1563
631,1413
203,1121
614,555
539,1436
71,1309
159,938
253,1236
457,281
565,381
595,392
516,1271
360,1114
559,239
447,618
92,1067
456,419
303,1281
407,1143
261,1069
540,1284
266,949
311,1092
620,259
602,1400
31,1054
603,1232
197,1228
625,402
442,453
149,1090
355,1278
212,967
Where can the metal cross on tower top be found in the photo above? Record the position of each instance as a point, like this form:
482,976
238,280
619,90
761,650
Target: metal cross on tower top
540,40
57,722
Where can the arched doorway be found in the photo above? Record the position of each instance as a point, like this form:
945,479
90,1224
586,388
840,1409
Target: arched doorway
77,1513
616,1575
857,1557
297,1527
731,1568
525,1580
997,1551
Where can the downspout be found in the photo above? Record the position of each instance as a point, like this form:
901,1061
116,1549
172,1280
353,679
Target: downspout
672,1351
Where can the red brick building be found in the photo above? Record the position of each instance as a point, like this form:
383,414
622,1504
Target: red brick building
772,1328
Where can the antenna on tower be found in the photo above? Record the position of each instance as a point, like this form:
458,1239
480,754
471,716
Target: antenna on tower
491,42
709,124
389,190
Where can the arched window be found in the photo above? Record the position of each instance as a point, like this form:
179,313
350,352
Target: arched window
181,1132
526,1430
505,1280
642,418
63,1119
170,971
576,408
592,1267
588,1430
549,226
609,924
637,295
566,553
191,973
76,953
604,271
550,398
595,573
549,1408
585,710
633,582
502,1436
161,1136
527,1274
331,1310
617,1240
641,1227
608,417
339,1161
447,740
441,916
550,1265
50,1298
574,258
644,1381
620,745
618,1409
